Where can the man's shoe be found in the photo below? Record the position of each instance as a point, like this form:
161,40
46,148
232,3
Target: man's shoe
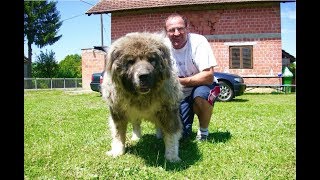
201,137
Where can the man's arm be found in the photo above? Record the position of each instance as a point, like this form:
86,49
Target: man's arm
205,77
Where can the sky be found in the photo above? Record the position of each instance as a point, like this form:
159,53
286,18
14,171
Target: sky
80,31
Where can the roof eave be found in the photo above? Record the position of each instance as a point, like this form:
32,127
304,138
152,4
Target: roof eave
119,10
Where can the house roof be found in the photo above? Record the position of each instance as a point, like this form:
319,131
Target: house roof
288,55
108,6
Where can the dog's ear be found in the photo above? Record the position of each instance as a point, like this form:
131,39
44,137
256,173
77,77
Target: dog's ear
113,54
165,63
109,60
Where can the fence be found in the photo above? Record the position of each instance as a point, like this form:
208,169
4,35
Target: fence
52,83
266,81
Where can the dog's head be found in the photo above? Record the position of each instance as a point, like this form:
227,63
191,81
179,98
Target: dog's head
139,62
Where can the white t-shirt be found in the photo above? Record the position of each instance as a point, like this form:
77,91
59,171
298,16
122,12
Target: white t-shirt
193,58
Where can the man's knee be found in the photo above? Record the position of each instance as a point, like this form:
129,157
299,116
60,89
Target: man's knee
201,105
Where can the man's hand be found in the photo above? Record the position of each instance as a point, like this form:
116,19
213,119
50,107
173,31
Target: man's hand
205,77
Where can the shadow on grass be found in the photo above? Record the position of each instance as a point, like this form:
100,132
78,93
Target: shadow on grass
238,100
217,137
152,150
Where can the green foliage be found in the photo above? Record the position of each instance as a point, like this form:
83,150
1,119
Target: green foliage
41,22
45,65
41,25
66,136
70,67
292,68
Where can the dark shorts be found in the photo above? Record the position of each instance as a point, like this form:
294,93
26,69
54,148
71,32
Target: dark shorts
209,93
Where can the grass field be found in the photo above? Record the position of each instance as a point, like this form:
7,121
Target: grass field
66,136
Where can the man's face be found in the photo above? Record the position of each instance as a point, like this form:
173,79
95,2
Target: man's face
177,32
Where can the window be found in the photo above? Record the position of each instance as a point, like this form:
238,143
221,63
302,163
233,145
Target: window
240,57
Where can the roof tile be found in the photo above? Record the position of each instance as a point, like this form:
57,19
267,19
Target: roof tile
108,6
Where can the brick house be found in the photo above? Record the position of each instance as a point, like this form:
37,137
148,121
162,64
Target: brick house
245,35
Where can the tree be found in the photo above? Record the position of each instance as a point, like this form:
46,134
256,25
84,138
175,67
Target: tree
70,67
41,25
46,66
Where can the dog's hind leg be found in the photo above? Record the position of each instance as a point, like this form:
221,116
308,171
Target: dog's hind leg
136,130
118,132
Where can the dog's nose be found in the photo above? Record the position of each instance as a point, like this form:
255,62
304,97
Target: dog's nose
144,78
144,83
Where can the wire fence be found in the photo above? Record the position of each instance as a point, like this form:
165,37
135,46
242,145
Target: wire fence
52,83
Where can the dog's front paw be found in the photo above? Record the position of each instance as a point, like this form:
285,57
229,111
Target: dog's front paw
171,158
114,153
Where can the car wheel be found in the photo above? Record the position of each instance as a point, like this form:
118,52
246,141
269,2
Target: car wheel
226,92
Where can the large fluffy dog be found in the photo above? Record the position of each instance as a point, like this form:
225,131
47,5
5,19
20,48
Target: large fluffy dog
140,83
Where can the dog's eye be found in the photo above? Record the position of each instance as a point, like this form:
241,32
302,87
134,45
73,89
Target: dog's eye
153,60
130,62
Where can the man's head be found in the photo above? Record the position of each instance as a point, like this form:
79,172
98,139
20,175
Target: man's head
176,27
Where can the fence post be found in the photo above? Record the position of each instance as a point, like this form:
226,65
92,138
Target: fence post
64,83
35,83
51,83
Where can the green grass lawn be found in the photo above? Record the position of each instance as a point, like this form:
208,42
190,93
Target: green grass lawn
66,136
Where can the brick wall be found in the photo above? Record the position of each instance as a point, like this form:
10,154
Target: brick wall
259,26
92,62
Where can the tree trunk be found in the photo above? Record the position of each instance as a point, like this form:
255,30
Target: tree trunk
29,63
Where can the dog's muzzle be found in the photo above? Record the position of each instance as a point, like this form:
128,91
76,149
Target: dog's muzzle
143,77
145,83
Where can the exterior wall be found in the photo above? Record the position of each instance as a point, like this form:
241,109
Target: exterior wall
267,61
92,62
223,26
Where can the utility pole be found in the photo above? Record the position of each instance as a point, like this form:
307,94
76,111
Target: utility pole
101,30
101,23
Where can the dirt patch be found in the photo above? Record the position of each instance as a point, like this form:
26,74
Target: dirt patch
261,90
79,91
